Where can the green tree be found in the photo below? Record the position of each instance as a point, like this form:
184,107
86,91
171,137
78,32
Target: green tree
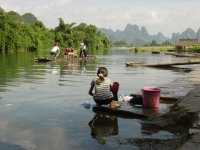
15,34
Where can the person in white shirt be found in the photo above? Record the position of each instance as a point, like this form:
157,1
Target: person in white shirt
83,50
55,51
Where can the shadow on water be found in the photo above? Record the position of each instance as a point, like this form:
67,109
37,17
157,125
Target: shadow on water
105,127
176,69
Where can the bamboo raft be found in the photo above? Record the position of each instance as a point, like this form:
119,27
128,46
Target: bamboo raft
119,112
197,55
133,64
45,59
134,110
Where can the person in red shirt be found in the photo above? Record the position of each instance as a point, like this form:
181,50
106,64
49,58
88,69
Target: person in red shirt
67,52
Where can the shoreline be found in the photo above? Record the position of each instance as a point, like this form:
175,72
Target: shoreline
183,119
185,114
191,103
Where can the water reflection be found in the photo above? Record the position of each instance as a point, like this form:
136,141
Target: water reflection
151,111
70,65
103,126
149,129
176,69
82,62
8,146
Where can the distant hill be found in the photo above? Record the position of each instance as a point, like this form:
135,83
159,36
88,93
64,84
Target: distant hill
1,10
16,16
188,33
133,35
29,18
26,18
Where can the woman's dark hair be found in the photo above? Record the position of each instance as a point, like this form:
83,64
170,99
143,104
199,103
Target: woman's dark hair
101,73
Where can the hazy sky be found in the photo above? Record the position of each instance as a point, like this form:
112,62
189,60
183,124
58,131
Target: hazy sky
164,16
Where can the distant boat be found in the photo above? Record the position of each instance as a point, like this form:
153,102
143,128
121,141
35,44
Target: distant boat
167,64
155,52
134,63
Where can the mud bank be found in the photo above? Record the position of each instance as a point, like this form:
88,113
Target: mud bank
183,119
191,105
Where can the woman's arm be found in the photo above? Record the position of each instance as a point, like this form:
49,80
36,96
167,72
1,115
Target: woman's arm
91,89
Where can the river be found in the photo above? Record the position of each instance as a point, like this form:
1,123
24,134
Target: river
41,104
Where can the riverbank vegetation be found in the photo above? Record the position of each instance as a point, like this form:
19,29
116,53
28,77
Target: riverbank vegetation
153,48
197,49
26,33
164,48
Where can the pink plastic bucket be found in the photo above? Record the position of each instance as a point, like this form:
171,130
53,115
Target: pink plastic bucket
151,97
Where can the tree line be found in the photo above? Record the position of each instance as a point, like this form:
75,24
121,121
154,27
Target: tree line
17,35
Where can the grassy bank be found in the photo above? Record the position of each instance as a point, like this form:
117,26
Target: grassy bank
150,49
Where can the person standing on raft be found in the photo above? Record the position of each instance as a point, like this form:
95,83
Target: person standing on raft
55,51
83,50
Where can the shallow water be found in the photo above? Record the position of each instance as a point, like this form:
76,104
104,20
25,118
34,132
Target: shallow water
41,103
